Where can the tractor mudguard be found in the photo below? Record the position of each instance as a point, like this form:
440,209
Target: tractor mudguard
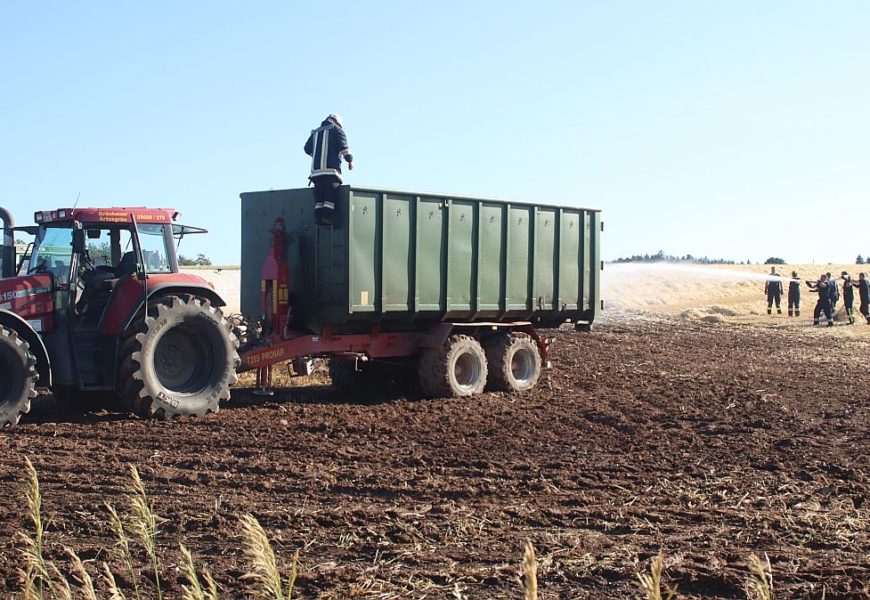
10,320
127,302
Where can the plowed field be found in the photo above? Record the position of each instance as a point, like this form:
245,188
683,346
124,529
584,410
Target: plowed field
708,441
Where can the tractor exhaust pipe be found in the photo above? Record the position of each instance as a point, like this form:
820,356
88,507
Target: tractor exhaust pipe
7,249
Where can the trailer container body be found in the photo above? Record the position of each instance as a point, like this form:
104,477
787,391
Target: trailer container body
404,260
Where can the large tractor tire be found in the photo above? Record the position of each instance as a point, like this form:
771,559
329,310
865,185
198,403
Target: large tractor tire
180,361
456,369
514,362
17,377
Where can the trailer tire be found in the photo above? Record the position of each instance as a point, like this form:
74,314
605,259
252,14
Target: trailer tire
18,377
514,362
180,361
456,369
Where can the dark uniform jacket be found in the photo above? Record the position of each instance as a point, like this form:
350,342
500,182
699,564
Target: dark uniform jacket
864,290
833,290
794,290
326,146
773,287
848,291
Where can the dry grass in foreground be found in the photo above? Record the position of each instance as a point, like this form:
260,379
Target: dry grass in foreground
139,528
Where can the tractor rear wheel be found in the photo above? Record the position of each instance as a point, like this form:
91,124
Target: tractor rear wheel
17,377
456,369
514,362
179,361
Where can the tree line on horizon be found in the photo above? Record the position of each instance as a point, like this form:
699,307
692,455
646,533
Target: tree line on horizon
660,256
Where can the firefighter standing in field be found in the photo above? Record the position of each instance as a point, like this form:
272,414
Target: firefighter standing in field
794,295
327,146
773,289
822,288
833,292
848,296
863,286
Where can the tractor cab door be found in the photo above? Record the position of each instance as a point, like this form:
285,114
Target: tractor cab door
53,253
105,255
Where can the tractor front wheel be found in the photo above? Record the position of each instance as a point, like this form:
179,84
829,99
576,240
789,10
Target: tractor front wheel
17,377
179,361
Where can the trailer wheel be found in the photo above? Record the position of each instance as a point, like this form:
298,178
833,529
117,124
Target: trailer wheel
17,377
456,369
180,361
514,362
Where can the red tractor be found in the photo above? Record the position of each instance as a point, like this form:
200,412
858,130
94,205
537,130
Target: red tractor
97,307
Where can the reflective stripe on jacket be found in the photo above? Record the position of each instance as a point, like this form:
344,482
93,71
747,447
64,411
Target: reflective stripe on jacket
326,146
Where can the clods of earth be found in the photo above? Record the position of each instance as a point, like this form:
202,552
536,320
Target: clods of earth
706,441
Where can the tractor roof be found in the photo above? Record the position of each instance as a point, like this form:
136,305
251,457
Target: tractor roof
108,215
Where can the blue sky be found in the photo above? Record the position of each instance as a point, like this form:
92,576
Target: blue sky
732,129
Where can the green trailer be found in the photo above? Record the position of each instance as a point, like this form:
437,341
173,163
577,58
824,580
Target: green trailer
405,259
451,286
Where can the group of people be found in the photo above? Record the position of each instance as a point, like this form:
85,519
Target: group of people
828,289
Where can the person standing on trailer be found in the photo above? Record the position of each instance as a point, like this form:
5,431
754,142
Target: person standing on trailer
327,146
863,286
848,296
822,288
773,289
794,295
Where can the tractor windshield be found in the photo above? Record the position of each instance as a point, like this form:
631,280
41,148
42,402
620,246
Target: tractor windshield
52,252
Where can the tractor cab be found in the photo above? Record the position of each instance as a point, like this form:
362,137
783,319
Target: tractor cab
93,269
90,253
99,312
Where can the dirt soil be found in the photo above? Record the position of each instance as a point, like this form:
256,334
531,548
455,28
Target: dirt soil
707,441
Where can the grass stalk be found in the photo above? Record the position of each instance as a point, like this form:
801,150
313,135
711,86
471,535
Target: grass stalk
35,572
115,592
121,550
195,590
82,576
144,523
39,576
530,573
651,584
264,574
760,582
291,583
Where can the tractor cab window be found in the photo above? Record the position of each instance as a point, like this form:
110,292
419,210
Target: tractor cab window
152,239
52,252
99,247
